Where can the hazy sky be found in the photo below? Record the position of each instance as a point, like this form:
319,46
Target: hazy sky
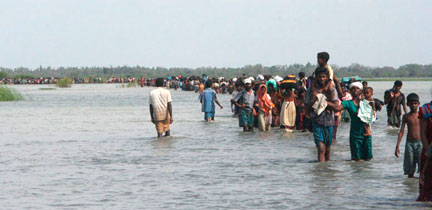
221,33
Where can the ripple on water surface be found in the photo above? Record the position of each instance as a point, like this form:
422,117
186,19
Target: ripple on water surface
93,147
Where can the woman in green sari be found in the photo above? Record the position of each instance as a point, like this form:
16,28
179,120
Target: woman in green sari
360,145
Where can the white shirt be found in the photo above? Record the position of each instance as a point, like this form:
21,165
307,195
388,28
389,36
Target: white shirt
159,99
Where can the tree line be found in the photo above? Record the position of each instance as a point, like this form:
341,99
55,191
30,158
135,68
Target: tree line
408,70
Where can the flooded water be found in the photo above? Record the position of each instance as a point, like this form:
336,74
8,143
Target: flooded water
94,147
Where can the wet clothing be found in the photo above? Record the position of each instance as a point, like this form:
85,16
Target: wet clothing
288,115
412,154
264,121
360,146
163,126
323,134
246,118
394,110
159,99
207,99
208,115
322,124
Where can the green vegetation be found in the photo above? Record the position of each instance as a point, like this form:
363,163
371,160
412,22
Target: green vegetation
47,88
64,83
24,76
98,74
9,94
3,75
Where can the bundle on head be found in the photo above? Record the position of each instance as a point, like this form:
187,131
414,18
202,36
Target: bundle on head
289,83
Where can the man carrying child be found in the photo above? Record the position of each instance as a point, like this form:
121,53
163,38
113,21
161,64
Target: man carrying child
322,118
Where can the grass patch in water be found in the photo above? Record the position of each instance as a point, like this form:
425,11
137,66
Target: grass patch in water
132,84
64,83
128,85
47,88
9,94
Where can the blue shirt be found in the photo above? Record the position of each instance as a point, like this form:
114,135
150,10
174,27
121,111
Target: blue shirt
207,99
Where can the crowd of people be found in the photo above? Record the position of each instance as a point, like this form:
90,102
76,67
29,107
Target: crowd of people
316,104
53,80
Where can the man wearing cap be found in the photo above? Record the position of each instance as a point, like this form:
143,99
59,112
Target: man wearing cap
161,108
245,101
360,145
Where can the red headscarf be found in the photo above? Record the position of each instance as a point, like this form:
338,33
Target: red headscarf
264,102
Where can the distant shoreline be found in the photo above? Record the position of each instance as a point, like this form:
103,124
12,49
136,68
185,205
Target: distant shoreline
397,78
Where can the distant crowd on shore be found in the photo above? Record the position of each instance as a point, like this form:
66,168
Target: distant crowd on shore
54,80
317,104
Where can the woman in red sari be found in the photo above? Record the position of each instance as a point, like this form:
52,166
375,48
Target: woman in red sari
425,188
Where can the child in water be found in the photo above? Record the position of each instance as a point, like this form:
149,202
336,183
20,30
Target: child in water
367,111
413,145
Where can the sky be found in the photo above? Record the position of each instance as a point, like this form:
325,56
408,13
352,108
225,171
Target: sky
213,33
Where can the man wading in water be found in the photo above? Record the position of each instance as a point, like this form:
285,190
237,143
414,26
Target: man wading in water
322,118
245,101
394,98
161,108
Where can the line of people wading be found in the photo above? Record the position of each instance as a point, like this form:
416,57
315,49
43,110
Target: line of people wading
316,104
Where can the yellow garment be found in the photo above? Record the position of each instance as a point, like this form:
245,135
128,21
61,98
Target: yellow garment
331,74
330,70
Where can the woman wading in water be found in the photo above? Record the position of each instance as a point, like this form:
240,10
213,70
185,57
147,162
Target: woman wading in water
360,145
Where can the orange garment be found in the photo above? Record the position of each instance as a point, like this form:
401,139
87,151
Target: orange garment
264,101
